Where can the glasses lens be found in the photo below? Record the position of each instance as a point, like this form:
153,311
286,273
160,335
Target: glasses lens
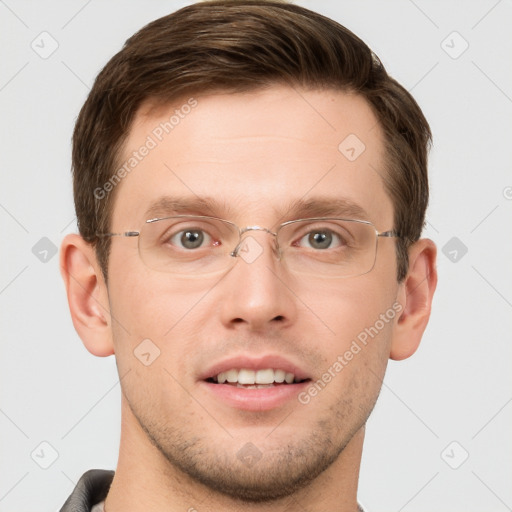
188,245
195,245
328,247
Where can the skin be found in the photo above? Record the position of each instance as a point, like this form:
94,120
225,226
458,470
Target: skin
257,151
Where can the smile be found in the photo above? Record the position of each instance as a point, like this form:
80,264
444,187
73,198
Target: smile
255,379
251,383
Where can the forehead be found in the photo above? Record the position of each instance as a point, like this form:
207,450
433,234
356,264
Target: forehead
258,156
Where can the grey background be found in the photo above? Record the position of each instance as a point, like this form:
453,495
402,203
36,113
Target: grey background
456,388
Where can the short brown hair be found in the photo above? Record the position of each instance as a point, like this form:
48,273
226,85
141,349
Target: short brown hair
239,46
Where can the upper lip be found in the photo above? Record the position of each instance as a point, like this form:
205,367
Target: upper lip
273,361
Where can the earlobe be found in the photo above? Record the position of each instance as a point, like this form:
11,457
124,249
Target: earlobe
87,295
415,295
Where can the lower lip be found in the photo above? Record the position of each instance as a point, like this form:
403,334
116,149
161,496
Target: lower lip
262,399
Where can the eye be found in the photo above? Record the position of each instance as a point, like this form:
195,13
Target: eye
320,239
190,238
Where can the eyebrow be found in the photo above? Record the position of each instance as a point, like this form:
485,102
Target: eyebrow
295,209
177,205
324,207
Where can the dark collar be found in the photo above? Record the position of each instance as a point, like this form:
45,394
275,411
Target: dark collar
91,489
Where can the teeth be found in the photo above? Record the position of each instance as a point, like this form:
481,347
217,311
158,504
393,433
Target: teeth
279,375
246,377
232,375
289,378
255,379
265,376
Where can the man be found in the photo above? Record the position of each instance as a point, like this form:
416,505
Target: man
250,187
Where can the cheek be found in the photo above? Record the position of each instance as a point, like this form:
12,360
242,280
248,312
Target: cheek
154,314
356,358
348,307
151,332
360,316
146,303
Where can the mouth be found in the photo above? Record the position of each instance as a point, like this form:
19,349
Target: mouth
259,384
255,379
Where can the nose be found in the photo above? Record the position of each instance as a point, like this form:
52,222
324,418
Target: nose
255,293
242,244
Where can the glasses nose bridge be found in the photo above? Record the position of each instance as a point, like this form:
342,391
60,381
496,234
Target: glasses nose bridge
256,228
247,229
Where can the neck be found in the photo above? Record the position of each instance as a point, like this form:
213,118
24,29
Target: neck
146,480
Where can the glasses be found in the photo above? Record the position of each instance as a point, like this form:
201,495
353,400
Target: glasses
190,245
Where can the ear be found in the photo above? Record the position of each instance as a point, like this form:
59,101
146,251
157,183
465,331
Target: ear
415,295
87,295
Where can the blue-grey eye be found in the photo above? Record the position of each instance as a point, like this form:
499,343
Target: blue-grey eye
319,239
190,238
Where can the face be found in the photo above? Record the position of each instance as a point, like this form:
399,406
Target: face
256,154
